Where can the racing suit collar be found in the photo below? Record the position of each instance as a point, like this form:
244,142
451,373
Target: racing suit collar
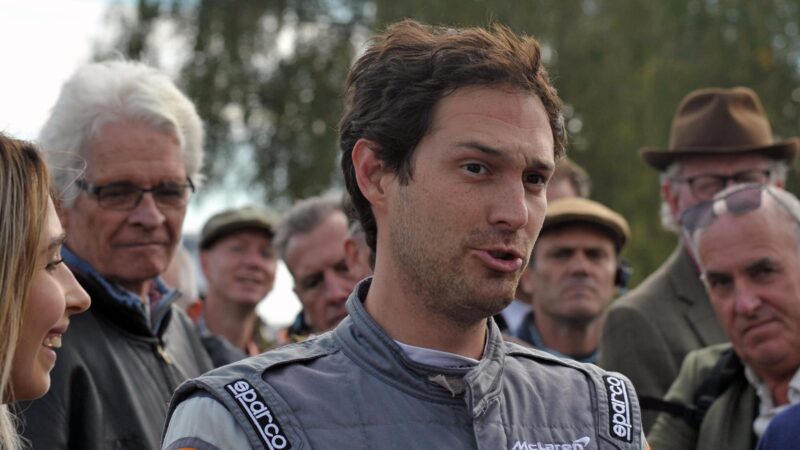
363,340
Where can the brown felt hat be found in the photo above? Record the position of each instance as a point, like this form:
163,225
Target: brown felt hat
583,210
233,220
720,121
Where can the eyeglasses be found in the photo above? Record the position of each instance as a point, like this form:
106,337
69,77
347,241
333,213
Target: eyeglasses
704,187
126,196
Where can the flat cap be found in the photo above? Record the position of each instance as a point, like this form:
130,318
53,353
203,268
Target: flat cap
233,220
583,210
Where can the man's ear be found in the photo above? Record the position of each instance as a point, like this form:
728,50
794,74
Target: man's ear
670,198
371,173
350,252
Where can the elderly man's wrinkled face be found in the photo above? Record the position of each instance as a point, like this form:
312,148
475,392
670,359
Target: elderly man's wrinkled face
129,247
322,279
572,274
752,273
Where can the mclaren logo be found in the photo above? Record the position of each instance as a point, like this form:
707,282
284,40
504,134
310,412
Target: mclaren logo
578,444
619,409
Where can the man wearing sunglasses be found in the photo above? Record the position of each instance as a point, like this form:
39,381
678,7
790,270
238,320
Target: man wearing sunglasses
718,137
140,142
747,243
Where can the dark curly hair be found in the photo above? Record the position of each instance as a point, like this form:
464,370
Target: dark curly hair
392,89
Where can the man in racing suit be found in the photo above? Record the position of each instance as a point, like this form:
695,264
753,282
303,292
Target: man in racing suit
449,138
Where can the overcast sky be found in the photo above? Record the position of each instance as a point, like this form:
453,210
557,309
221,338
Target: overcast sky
42,42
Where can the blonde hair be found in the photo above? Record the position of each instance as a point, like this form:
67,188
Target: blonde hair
24,192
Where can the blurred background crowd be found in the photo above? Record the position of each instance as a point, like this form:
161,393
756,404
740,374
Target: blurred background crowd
266,78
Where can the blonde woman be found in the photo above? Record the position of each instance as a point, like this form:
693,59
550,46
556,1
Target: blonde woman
38,293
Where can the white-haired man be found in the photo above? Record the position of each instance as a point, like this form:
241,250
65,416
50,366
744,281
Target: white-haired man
747,243
141,140
718,137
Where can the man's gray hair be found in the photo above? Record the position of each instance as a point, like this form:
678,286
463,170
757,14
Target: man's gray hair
112,91
303,217
671,177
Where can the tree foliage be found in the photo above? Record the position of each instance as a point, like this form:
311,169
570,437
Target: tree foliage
621,67
266,77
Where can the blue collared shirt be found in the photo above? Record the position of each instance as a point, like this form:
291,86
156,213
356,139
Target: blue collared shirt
159,294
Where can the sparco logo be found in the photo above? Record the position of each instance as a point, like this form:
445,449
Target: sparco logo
256,409
619,408
578,444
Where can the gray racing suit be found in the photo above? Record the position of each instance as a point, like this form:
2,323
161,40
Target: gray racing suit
354,387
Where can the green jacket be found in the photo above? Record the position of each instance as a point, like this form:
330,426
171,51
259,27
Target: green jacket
728,423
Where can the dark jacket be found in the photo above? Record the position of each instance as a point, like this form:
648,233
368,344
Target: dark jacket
354,387
114,377
222,352
650,330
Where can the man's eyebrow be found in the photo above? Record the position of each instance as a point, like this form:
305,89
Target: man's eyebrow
480,147
760,264
497,153
309,277
707,275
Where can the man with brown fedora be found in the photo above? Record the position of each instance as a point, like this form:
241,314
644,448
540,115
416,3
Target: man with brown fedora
718,137
572,277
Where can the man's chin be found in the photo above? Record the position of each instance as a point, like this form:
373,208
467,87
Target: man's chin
144,256
505,301
490,304
135,276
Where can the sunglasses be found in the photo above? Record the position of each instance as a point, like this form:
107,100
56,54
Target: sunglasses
739,200
744,199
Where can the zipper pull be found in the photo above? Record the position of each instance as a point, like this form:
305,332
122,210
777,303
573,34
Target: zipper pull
163,354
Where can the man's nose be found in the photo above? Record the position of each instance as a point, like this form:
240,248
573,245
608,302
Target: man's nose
254,258
579,263
510,208
146,212
746,301
337,288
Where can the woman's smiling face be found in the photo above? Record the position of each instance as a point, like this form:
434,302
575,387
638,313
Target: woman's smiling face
54,295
